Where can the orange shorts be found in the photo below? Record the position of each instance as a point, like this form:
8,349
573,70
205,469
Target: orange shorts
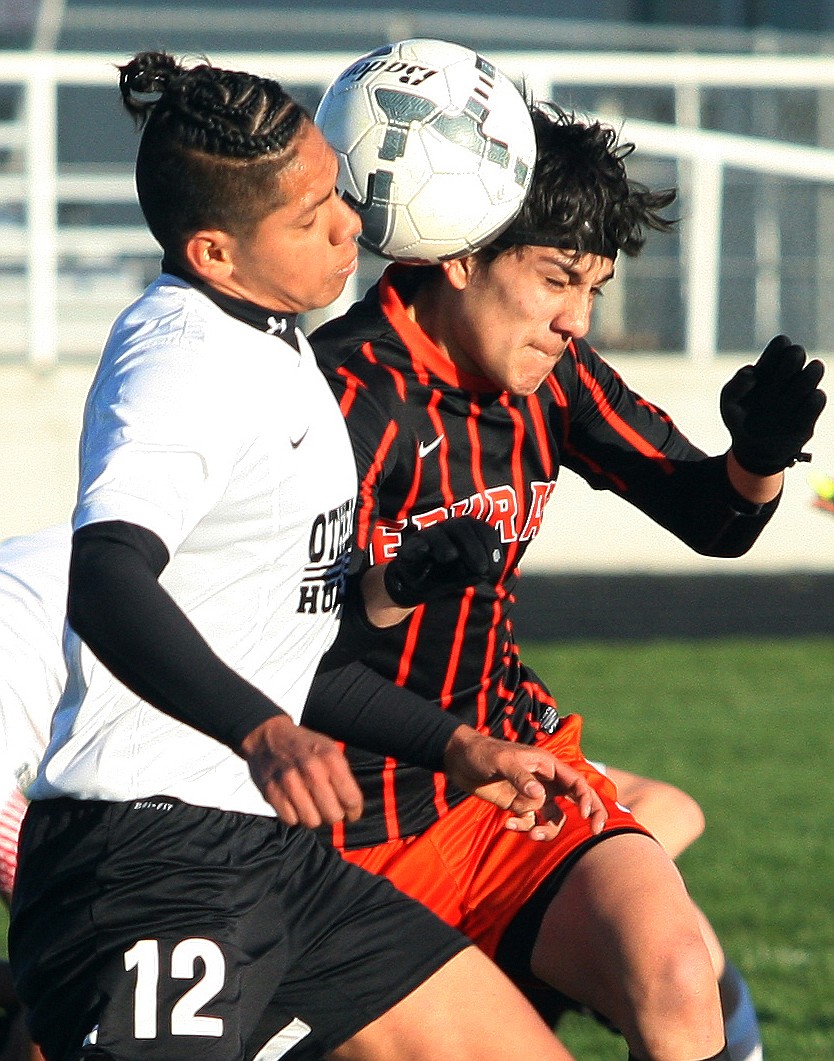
473,872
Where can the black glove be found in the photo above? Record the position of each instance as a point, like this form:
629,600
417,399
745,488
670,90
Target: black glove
445,557
770,408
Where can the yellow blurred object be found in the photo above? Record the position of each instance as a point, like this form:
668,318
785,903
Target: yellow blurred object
823,487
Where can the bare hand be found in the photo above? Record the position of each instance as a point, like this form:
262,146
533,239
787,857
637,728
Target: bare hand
522,779
303,775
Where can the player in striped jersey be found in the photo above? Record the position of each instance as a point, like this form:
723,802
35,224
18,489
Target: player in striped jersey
466,388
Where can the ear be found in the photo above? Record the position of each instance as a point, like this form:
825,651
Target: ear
208,253
459,271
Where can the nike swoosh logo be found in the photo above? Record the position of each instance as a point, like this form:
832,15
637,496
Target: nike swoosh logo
296,442
424,448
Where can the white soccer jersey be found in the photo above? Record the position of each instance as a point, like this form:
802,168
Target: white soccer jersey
33,598
228,444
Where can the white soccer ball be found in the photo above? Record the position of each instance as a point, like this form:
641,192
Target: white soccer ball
435,145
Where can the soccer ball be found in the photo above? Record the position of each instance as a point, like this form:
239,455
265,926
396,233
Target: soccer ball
435,145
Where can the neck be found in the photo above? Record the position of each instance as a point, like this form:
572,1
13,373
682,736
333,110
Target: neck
431,308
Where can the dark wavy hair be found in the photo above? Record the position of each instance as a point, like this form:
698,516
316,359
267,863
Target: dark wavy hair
581,198
212,143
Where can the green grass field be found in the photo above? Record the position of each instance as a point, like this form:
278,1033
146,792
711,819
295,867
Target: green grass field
746,727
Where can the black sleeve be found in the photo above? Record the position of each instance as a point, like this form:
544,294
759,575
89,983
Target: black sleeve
117,606
618,441
355,704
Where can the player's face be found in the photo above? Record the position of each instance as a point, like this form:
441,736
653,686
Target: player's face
517,314
301,255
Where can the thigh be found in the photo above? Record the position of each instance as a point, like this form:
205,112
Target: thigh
621,906
444,1019
360,946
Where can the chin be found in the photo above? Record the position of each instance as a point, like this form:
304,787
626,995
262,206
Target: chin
525,387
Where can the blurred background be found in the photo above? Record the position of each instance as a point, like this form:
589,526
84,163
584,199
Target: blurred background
732,101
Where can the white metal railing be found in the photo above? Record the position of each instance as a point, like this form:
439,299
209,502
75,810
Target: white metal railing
703,156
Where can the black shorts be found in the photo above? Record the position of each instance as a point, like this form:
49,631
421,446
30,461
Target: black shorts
156,929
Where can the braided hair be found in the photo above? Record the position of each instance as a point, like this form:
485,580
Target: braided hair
581,197
213,142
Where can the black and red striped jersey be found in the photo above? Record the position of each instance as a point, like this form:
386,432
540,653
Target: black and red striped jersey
432,442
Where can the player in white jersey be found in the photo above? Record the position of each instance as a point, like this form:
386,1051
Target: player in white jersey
167,901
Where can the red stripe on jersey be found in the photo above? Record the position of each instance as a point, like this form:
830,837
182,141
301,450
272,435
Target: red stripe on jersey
411,637
561,400
473,431
389,799
440,800
617,423
337,835
367,488
476,468
538,692
517,470
443,450
458,641
540,431
352,385
399,383
389,791
482,703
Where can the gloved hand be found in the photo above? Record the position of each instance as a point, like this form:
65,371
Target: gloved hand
770,408
445,557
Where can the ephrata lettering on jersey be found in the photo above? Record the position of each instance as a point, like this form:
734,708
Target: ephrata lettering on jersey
497,505
323,583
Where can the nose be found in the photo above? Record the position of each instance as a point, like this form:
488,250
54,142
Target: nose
573,319
346,224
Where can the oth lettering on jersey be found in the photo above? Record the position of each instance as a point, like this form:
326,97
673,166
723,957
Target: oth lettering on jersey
323,582
497,505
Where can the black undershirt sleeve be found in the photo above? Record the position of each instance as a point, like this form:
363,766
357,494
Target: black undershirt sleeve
362,708
118,607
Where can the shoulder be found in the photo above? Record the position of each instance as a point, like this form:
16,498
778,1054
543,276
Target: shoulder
340,339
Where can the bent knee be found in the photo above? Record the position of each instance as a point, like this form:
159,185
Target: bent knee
680,980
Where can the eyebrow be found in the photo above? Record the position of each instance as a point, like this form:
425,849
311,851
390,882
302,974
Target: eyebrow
310,208
567,266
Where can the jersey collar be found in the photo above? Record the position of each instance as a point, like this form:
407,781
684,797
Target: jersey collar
271,321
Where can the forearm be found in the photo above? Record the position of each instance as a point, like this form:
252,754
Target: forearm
380,610
757,489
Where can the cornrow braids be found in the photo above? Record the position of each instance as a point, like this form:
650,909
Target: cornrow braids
581,197
211,141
